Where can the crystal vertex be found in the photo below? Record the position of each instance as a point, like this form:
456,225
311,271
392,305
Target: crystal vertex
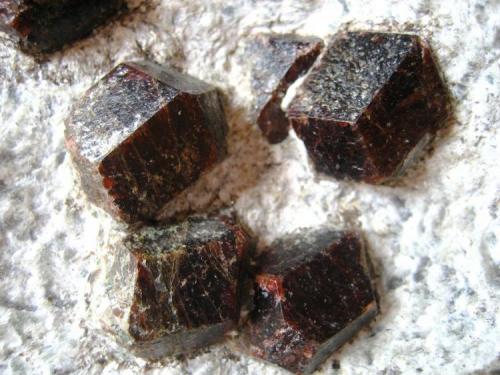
43,26
278,61
179,289
312,294
143,134
370,105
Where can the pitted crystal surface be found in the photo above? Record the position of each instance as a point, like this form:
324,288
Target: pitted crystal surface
278,61
370,105
143,134
43,26
312,294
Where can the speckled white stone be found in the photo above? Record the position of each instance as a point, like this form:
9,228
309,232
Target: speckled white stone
433,237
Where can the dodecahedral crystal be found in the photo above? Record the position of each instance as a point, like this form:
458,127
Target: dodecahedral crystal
371,103
278,60
143,134
47,25
313,293
179,288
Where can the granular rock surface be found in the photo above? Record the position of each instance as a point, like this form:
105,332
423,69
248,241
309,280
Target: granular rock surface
433,238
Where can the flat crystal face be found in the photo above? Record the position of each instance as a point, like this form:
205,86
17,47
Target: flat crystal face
115,108
187,281
313,292
143,134
297,249
369,104
354,67
274,56
278,60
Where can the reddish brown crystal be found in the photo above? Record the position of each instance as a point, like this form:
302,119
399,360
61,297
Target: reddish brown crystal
47,25
187,280
313,293
278,60
371,103
143,134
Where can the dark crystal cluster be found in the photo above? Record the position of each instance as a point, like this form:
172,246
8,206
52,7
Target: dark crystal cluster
145,132
370,105
44,26
141,135
277,62
312,294
187,283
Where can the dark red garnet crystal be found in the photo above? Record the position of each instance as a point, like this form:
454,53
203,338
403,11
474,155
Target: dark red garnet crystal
278,60
42,26
143,134
313,293
371,103
188,280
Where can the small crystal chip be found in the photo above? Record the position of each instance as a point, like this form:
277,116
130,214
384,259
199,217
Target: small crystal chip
143,134
278,61
43,26
313,293
184,283
370,104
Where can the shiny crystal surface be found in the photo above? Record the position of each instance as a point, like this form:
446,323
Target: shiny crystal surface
370,105
143,134
43,26
186,280
312,294
278,60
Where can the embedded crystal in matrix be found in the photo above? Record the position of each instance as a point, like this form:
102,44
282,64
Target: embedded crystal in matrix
143,134
368,107
278,61
312,293
44,26
184,284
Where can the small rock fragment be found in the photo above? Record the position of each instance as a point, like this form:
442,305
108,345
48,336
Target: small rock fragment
278,61
174,289
313,293
143,134
370,105
44,26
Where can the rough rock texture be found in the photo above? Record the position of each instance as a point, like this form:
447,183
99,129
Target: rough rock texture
313,293
176,288
278,60
433,238
47,25
370,105
143,134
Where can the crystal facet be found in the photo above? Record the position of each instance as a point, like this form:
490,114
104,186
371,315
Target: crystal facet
143,134
278,60
47,25
313,293
369,105
184,283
